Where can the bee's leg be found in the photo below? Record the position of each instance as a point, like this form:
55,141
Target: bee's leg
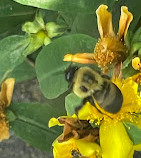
87,99
90,100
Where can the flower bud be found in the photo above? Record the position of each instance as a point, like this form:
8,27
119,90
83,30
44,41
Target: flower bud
53,29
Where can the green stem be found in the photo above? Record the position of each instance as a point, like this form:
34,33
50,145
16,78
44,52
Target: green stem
30,62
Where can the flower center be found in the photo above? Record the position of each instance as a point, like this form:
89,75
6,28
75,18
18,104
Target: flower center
109,50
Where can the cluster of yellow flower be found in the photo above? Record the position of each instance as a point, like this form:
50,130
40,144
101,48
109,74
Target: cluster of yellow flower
109,138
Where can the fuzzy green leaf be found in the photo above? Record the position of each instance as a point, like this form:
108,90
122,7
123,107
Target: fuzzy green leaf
12,15
12,53
88,6
50,67
134,45
134,8
137,36
23,72
86,24
31,123
72,101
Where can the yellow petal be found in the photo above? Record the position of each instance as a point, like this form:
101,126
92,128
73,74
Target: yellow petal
134,77
136,63
115,141
7,91
89,112
53,122
131,154
104,20
63,150
125,20
87,148
137,147
4,130
83,58
130,94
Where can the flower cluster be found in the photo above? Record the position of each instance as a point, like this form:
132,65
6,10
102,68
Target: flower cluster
105,134
94,132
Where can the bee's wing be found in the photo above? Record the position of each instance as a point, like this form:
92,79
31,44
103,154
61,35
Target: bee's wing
110,98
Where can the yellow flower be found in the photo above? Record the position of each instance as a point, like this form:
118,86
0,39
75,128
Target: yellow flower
110,48
114,139
79,147
136,64
78,138
5,99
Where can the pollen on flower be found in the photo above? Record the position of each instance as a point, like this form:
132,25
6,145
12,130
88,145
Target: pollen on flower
109,50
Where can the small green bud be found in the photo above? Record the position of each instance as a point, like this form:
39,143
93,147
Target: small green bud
36,41
35,26
30,27
47,41
52,29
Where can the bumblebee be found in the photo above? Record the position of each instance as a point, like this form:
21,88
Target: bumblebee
75,154
88,84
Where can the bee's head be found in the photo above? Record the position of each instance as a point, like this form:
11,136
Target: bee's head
69,73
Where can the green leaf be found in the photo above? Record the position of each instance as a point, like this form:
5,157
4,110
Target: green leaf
12,53
50,66
88,6
133,42
12,15
137,36
23,72
139,53
49,15
72,101
128,39
35,136
134,132
67,18
134,8
10,8
31,123
35,26
86,24
129,71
